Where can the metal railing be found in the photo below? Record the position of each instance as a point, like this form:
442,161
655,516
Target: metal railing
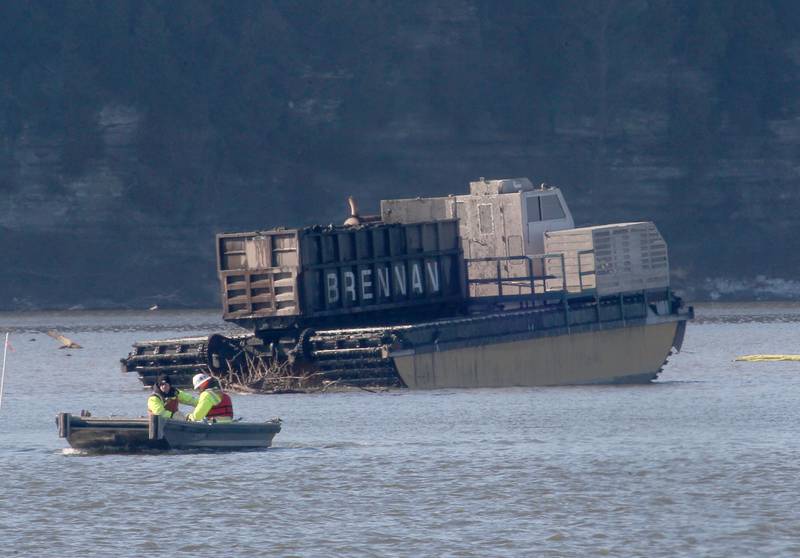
532,276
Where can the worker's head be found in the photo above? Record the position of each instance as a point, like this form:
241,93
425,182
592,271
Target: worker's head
201,381
164,383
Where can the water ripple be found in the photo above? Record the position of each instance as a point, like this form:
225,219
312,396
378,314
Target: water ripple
703,463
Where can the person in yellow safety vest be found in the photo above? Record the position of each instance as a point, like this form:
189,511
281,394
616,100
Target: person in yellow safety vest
213,403
165,399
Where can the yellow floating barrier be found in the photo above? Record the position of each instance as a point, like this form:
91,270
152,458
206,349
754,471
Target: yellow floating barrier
768,358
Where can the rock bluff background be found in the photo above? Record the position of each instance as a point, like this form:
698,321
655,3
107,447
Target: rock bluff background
132,131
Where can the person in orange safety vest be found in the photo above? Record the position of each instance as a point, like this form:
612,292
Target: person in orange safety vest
213,404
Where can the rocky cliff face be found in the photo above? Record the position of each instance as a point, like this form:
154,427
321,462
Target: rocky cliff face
130,133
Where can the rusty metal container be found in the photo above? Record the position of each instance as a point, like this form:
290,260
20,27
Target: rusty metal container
339,275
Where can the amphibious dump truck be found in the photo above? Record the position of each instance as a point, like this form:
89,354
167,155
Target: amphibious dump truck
491,288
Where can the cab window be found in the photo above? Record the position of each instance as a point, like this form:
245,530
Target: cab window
534,214
551,208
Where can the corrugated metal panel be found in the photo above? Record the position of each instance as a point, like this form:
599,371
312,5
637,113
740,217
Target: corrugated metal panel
382,265
323,272
614,258
258,273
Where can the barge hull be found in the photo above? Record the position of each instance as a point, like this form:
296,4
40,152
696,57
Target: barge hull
613,355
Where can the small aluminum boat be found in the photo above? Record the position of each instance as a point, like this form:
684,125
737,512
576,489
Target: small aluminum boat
158,433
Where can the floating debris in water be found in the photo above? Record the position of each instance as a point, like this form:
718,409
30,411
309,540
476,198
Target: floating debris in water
768,358
66,342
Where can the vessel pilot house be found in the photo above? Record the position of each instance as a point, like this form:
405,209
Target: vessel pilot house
497,218
495,287
520,240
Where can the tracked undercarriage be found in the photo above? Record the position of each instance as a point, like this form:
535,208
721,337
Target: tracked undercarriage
309,360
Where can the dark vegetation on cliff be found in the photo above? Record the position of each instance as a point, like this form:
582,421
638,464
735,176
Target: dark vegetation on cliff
132,131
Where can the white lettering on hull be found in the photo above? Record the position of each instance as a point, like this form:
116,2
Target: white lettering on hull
350,285
383,283
400,279
391,283
332,282
416,280
366,284
433,276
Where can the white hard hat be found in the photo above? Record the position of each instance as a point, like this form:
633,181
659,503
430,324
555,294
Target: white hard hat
199,379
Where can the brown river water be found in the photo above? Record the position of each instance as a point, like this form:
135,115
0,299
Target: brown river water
703,462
